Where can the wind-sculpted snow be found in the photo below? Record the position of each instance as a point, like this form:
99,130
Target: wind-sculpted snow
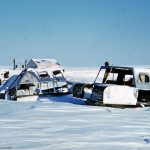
44,125
65,123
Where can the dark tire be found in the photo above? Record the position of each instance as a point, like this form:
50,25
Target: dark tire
90,102
78,90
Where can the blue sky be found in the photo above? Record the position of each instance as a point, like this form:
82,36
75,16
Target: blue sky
76,32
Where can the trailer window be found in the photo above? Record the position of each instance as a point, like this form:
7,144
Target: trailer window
58,76
43,74
57,72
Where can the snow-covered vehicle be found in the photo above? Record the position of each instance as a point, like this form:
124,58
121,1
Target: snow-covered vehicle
35,82
117,86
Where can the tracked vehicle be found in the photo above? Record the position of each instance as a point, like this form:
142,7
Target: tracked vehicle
117,86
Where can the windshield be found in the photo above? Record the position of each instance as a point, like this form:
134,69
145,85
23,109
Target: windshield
119,76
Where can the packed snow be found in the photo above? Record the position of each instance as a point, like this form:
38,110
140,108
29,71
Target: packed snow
65,123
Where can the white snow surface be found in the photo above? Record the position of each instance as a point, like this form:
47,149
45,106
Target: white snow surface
64,123
84,75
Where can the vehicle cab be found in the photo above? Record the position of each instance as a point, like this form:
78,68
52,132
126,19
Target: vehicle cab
117,85
134,77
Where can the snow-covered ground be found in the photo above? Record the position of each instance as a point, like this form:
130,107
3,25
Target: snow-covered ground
64,123
81,74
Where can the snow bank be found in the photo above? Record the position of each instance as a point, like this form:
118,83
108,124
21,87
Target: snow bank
63,123
62,126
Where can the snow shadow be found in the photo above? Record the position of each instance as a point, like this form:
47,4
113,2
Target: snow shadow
65,99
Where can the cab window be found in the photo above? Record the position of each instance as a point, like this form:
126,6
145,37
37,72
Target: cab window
143,78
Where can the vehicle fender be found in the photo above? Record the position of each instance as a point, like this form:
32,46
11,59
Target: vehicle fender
120,95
